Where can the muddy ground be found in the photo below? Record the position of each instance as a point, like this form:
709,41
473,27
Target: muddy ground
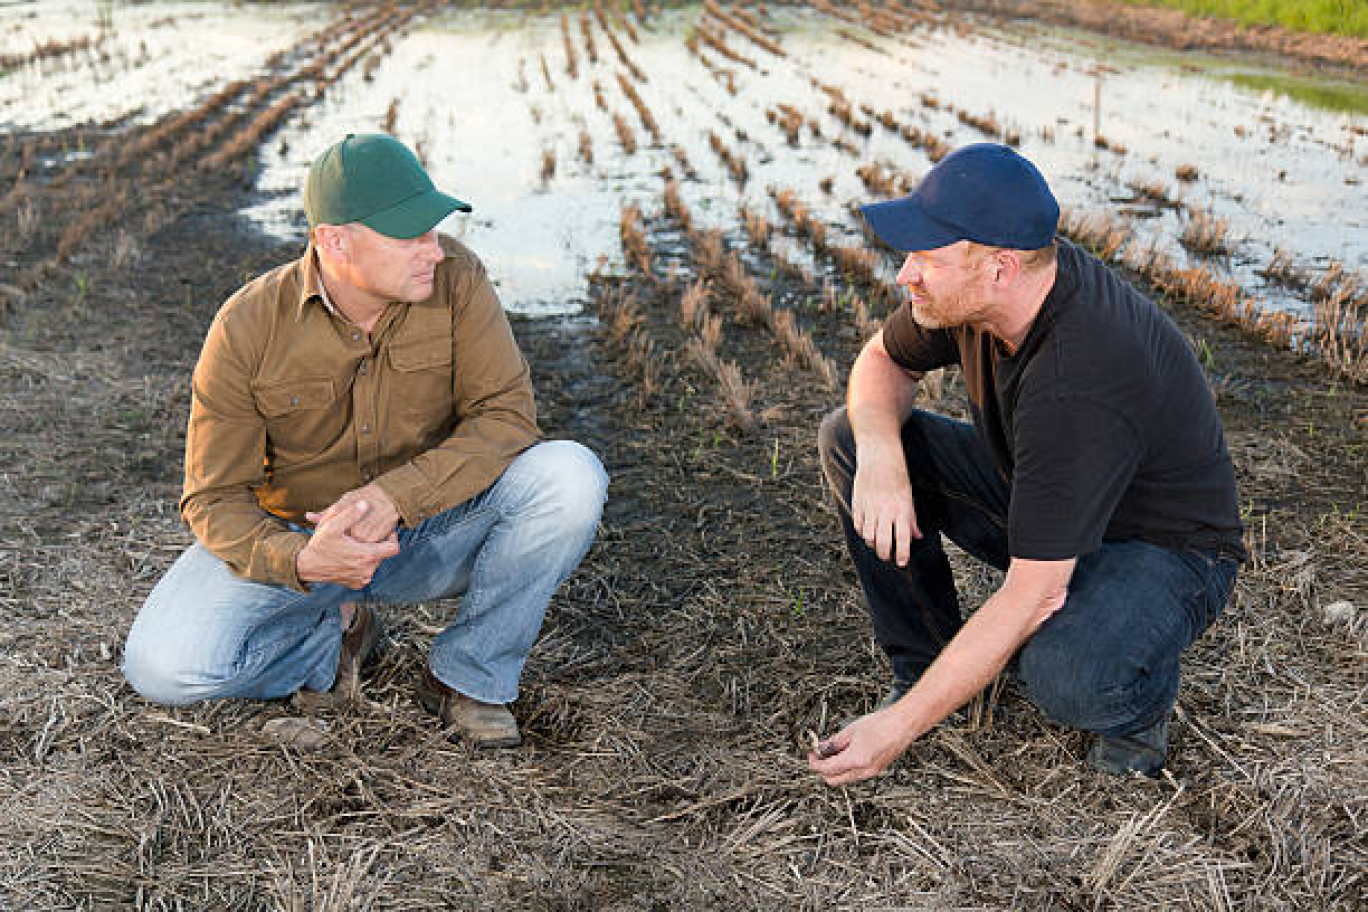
712,625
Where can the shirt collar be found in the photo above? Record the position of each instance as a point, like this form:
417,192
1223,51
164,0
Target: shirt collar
311,283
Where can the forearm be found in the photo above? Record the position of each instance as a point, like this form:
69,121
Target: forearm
880,396
968,664
1034,590
252,542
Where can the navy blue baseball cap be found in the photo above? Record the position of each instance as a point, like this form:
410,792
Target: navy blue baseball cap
984,192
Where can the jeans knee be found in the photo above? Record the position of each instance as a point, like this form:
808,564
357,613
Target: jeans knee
156,672
571,484
1102,694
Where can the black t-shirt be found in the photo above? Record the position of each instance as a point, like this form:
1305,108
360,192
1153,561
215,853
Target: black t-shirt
1101,423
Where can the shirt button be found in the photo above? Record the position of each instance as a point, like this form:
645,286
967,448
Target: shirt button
365,428
294,401
356,337
362,368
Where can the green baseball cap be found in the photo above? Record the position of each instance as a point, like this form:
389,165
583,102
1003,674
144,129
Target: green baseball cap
374,179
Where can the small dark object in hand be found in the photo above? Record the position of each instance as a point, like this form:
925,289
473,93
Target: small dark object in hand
819,747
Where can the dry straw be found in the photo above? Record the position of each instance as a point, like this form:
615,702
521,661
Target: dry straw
571,58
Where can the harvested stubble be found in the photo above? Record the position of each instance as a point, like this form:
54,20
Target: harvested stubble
1283,269
730,277
634,245
624,320
742,28
735,390
735,284
681,157
587,30
624,134
881,182
648,120
758,228
50,50
804,222
736,166
935,147
630,30
1154,190
636,71
675,207
856,38
719,44
1206,234
571,58
790,120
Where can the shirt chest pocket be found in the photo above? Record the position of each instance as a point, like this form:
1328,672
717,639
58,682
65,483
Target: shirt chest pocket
421,379
301,415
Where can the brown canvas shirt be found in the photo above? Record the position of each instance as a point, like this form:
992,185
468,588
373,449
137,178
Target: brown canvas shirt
292,406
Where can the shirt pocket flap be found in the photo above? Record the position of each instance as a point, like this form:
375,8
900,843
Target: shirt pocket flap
424,354
279,399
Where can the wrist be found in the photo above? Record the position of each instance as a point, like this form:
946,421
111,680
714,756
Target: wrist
907,719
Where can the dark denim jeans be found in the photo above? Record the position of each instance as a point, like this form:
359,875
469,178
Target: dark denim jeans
1106,662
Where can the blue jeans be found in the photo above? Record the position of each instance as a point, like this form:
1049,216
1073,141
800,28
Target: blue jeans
205,632
1106,662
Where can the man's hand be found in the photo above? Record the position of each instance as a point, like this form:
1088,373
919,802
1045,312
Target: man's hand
379,521
881,503
864,748
335,555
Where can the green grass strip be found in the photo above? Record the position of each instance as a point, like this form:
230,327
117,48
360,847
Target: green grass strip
1336,17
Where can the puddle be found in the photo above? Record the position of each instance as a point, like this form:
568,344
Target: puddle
145,59
1281,158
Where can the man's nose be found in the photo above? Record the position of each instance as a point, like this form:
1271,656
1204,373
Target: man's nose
909,274
432,247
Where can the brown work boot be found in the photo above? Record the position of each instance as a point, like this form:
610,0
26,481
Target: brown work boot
358,642
482,724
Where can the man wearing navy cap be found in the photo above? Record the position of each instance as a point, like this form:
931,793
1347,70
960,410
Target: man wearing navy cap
1095,474
362,429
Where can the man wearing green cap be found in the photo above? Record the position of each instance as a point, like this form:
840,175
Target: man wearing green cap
362,429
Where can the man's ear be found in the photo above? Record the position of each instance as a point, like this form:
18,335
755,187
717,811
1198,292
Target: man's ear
331,240
1006,267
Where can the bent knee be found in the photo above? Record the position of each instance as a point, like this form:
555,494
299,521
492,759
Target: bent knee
571,481
1099,694
160,674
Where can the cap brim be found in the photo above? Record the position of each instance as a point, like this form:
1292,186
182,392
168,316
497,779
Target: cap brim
415,215
904,225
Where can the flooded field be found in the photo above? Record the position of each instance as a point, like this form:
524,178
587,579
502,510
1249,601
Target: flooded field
664,197
1203,160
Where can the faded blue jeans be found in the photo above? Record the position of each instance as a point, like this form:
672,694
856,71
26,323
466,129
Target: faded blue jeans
206,633
1106,662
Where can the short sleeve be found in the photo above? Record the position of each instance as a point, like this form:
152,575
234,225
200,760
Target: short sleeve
1073,461
915,348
